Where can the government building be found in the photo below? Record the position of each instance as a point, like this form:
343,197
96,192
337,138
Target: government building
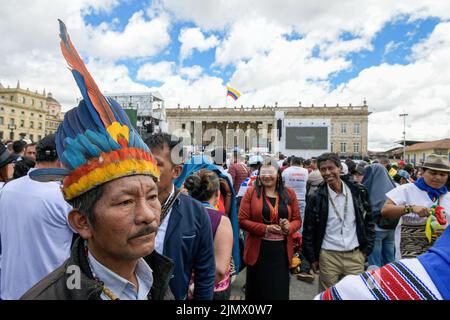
299,130
27,115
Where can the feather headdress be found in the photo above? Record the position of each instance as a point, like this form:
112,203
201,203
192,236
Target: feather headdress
96,142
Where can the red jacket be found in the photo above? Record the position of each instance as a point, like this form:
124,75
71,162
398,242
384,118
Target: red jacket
250,220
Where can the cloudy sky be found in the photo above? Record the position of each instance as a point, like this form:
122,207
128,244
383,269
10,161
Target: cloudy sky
394,54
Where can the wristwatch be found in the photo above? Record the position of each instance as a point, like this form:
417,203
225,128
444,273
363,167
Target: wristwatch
408,209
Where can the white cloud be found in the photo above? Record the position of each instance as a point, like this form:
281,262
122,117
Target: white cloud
155,72
140,38
192,73
193,39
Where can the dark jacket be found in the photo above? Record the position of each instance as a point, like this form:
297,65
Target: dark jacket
316,217
56,285
189,243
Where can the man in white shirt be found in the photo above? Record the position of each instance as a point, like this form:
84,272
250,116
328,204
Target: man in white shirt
295,177
338,231
34,231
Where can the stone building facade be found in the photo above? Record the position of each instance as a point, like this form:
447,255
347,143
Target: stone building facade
258,127
27,115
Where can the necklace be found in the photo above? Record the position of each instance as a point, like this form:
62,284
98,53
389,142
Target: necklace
341,219
105,289
273,210
165,208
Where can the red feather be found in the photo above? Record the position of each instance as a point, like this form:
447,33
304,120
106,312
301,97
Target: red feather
76,63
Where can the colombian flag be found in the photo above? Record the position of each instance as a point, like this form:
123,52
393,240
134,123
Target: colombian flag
233,93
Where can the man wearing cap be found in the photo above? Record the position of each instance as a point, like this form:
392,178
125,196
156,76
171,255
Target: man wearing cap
34,231
6,164
413,201
109,178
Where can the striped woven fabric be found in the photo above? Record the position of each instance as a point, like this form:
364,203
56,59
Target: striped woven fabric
402,280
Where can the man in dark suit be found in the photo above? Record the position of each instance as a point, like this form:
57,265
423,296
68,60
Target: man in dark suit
185,233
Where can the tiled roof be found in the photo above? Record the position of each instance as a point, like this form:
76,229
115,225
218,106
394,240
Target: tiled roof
438,144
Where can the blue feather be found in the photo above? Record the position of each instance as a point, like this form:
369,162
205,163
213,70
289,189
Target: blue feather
75,124
91,149
73,158
74,145
120,115
99,140
81,84
85,117
48,174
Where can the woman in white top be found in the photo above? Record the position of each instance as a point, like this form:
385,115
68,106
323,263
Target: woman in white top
413,201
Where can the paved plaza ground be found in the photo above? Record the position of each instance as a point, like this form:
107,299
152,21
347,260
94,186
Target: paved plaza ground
299,290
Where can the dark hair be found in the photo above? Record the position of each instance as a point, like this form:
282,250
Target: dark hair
351,165
46,149
296,161
22,167
307,162
219,156
86,202
409,168
333,157
202,185
397,178
280,188
31,145
161,139
19,146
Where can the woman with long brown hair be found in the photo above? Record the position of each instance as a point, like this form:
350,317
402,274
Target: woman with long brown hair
270,215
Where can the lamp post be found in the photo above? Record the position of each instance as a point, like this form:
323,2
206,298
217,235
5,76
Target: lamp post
404,115
12,127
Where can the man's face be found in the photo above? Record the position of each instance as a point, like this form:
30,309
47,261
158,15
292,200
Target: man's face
126,219
435,179
30,151
168,170
330,171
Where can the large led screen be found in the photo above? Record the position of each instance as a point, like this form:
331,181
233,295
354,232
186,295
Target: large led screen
307,138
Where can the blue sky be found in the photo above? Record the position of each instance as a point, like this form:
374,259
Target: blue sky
392,53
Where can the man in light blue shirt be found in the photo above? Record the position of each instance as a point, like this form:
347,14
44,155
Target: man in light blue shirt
34,232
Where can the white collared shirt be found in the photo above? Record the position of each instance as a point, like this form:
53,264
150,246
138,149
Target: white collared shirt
340,235
161,233
35,235
122,288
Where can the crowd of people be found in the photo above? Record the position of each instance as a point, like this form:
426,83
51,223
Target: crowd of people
94,212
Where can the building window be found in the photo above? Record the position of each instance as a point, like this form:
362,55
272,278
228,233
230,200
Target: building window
11,121
414,158
11,98
23,100
343,147
332,128
31,138
40,116
22,123
32,114
183,126
23,112
40,125
39,137
343,128
331,147
356,128
41,104
356,147
1,135
32,102
423,157
2,120
13,110
31,124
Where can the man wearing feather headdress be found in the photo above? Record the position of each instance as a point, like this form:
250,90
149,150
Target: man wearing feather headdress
109,177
